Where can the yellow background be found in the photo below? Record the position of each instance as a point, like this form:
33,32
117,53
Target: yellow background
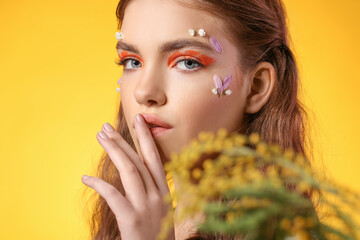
58,81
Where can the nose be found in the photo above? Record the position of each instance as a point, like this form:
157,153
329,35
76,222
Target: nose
150,90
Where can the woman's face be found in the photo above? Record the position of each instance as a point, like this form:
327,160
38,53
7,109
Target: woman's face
169,74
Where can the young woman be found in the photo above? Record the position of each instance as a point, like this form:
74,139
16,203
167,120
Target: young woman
189,66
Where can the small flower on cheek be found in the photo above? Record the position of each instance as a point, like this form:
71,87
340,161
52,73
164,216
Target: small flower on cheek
228,92
220,85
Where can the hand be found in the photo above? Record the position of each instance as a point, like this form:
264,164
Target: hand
140,212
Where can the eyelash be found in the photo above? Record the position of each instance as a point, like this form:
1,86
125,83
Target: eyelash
200,65
123,62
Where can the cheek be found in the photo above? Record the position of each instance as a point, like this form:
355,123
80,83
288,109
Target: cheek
201,110
208,112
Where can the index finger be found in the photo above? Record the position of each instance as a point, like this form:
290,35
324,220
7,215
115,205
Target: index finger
151,154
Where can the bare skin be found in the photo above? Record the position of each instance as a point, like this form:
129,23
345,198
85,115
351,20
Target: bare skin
178,92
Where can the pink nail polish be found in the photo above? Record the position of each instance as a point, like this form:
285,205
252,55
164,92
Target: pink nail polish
140,119
85,177
108,127
103,135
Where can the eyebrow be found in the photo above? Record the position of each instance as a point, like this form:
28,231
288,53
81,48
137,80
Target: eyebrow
168,46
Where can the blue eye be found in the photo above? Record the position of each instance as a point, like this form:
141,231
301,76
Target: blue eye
188,64
130,63
185,64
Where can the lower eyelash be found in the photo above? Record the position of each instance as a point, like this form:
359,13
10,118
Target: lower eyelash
196,61
198,68
123,62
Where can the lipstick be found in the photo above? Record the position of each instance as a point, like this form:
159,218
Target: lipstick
156,125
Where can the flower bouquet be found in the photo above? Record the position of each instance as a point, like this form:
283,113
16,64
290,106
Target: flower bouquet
248,189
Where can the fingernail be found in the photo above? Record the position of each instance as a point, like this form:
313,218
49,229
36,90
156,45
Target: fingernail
84,177
140,119
108,127
103,135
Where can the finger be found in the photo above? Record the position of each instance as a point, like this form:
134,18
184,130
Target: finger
151,154
132,155
116,201
133,185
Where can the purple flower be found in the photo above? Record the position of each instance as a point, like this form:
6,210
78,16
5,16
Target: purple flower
216,45
220,86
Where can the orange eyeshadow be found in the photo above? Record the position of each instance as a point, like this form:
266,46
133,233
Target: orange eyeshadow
205,60
125,54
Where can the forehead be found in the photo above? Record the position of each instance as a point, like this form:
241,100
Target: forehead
151,21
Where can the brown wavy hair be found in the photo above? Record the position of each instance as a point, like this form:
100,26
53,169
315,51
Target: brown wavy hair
258,28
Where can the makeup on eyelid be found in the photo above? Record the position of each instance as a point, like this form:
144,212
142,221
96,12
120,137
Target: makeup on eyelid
202,58
205,60
125,54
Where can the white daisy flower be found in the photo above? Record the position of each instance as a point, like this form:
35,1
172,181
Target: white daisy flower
192,32
228,92
119,35
202,32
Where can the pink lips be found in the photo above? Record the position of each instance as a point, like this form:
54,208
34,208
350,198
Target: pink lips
156,125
